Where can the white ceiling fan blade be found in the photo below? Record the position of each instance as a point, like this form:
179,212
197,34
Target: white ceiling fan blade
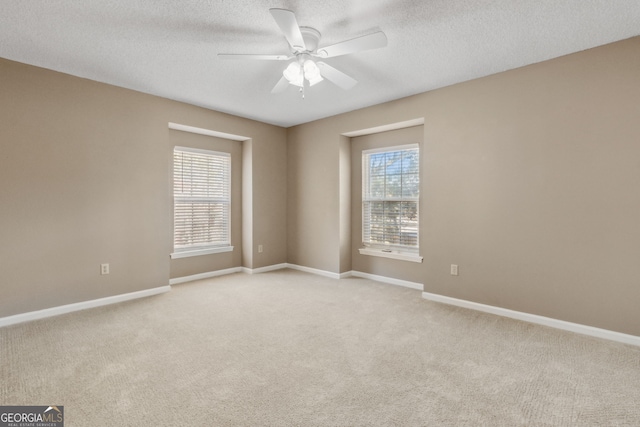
370,41
337,77
251,56
282,84
287,22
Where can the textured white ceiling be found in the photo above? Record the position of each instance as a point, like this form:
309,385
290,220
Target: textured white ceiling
168,47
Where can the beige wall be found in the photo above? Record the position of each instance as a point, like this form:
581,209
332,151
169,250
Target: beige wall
85,180
269,191
530,185
345,206
313,191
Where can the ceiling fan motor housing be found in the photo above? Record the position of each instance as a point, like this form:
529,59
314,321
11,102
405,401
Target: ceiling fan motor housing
311,37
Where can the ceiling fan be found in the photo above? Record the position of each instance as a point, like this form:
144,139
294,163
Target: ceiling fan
303,42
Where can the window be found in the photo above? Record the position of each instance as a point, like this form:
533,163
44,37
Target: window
202,202
390,194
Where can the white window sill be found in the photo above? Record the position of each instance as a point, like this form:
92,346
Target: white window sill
185,254
403,256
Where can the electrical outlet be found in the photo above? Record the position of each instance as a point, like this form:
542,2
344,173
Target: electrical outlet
104,268
454,269
259,249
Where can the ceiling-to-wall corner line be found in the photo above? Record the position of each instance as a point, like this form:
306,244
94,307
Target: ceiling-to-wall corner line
207,132
385,128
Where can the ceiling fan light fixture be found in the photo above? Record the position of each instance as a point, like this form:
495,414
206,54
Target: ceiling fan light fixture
297,71
303,45
293,73
312,72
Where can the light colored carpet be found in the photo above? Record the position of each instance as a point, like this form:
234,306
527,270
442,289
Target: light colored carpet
291,349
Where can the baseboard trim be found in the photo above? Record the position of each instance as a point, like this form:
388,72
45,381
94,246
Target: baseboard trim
206,275
527,317
540,320
68,308
264,269
315,271
389,280
345,275
259,270
226,271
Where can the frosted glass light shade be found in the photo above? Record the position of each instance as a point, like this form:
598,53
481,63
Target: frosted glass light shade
293,73
312,72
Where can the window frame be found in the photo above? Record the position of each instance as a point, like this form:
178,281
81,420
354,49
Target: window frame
394,251
214,246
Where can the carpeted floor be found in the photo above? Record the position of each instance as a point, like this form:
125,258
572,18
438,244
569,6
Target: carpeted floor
291,349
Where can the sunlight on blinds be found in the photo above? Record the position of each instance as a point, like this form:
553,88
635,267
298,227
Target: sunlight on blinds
202,199
390,192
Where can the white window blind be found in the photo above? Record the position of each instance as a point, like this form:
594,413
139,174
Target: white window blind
202,199
390,194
